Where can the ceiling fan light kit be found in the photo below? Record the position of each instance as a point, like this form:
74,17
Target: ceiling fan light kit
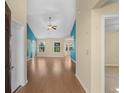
50,26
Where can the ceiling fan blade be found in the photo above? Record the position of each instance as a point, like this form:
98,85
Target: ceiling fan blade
54,27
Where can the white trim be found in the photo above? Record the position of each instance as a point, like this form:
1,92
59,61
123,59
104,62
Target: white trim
102,55
18,89
103,51
56,41
25,83
73,60
29,59
84,87
22,86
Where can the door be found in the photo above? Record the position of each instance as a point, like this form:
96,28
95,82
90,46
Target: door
14,57
17,45
7,49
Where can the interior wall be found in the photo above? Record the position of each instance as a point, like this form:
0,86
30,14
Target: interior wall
31,43
97,46
83,43
73,35
112,48
49,48
88,42
18,9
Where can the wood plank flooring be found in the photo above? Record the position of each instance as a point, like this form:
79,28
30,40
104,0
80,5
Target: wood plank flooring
52,75
111,79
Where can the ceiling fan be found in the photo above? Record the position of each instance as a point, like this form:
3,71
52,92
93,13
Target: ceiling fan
50,26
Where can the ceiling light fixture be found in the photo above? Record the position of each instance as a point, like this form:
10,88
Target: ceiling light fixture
50,26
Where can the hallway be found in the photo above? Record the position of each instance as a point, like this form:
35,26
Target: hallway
52,75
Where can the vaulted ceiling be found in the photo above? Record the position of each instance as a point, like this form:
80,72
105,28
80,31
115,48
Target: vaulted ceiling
61,11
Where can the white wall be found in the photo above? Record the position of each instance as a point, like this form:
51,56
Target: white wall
112,48
34,47
49,48
22,57
97,46
83,43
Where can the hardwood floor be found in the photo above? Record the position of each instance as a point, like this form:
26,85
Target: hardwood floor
52,75
111,79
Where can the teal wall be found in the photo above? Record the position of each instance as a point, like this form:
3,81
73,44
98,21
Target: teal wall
73,34
30,34
31,37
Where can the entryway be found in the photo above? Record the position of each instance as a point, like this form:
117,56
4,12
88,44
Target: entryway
111,53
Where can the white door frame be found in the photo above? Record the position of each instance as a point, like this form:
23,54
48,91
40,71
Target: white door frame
103,50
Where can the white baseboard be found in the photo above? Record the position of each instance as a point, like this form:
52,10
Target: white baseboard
112,65
22,86
84,87
73,60
24,83
18,89
29,59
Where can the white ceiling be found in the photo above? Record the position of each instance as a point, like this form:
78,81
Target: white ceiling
102,3
61,11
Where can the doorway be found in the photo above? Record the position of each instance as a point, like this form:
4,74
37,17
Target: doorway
111,53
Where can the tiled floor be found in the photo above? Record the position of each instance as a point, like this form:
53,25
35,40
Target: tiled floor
111,79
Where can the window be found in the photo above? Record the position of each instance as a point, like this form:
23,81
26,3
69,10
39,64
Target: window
41,47
56,46
66,47
70,47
